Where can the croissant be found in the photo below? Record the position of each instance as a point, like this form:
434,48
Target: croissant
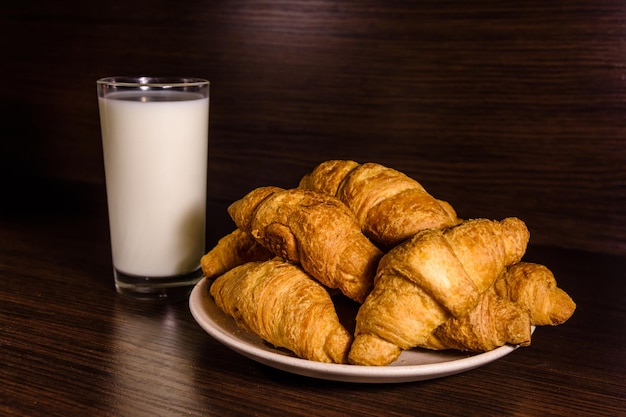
492,323
436,275
280,303
534,287
390,206
314,230
234,249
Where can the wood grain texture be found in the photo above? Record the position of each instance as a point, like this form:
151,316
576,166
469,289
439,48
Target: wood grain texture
501,109
70,346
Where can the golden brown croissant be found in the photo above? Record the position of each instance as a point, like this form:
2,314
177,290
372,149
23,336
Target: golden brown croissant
492,323
534,287
280,303
236,248
390,206
314,230
433,276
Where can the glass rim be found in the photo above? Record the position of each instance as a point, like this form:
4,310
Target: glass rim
147,81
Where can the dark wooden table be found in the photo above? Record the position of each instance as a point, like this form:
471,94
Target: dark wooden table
69,345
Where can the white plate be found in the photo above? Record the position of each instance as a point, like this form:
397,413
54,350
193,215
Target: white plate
413,365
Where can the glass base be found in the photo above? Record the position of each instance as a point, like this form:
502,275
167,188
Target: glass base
156,288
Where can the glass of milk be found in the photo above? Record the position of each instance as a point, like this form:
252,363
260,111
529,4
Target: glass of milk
155,143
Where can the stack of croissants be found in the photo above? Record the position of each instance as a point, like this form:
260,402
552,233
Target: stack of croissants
420,276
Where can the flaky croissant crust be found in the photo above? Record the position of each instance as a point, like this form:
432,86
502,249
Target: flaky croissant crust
436,275
389,205
234,249
314,230
279,302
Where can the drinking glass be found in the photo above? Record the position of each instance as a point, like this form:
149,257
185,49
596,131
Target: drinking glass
155,145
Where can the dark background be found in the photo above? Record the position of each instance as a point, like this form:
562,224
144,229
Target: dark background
501,108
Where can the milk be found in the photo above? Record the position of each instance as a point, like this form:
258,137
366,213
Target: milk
155,157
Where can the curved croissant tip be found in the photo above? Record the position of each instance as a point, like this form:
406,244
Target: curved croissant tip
304,182
369,349
563,307
241,209
514,222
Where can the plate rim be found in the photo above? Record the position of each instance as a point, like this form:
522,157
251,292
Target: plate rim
336,372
